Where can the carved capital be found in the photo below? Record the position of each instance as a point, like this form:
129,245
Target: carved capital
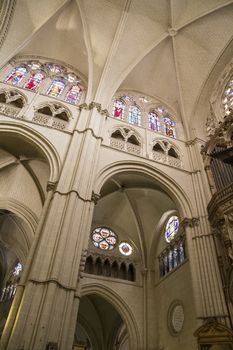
189,222
51,186
95,197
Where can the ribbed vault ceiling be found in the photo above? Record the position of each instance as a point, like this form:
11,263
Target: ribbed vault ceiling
163,48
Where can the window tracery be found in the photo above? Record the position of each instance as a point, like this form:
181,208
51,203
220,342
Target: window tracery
56,88
139,111
174,254
59,83
154,122
16,75
165,152
104,238
118,109
126,140
53,115
172,228
134,115
34,81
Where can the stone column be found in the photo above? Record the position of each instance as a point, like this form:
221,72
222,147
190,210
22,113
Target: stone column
207,284
49,305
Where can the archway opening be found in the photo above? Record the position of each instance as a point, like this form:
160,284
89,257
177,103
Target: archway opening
15,236
99,326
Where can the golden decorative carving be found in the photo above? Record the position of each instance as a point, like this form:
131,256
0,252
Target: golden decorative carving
214,333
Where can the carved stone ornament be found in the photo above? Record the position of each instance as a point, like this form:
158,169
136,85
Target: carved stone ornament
211,123
95,197
9,111
213,332
51,186
189,222
93,105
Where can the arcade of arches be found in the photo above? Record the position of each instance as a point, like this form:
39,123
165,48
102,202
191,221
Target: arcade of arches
116,175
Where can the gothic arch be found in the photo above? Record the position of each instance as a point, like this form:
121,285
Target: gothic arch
39,141
165,182
121,306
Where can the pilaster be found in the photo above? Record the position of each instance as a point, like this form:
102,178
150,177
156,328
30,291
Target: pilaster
49,302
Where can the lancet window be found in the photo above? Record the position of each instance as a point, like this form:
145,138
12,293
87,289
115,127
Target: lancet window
118,109
134,115
16,75
154,122
34,81
56,88
134,110
169,127
175,253
58,81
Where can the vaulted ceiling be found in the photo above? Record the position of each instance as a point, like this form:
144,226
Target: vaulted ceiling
163,48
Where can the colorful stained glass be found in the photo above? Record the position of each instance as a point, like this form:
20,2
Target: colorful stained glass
104,238
16,75
18,268
34,65
154,123
172,228
34,81
125,248
72,78
127,97
228,98
54,68
118,109
169,127
134,115
162,109
73,94
56,88
144,99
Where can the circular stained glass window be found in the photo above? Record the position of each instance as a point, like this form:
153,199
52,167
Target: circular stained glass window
104,238
125,248
172,228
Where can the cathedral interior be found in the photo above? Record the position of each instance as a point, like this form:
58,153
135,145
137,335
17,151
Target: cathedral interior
116,175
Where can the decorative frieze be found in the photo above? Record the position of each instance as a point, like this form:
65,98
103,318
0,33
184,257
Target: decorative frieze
9,111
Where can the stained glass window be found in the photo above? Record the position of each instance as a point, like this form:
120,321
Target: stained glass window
127,97
118,109
34,81
172,228
54,68
72,78
169,127
56,88
154,123
104,238
18,268
16,75
228,97
73,94
34,65
125,248
134,115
